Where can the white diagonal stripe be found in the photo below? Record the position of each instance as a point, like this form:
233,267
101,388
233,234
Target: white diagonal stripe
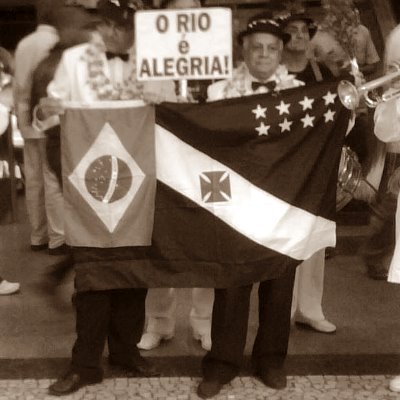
265,219
113,180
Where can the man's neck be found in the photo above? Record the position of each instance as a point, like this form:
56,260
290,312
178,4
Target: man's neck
258,77
295,61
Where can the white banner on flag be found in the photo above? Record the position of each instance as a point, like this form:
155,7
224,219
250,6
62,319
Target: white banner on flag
184,44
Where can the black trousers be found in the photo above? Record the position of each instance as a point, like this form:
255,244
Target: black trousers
229,328
117,315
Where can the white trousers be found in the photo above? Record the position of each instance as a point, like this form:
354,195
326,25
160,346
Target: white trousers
309,287
44,200
161,310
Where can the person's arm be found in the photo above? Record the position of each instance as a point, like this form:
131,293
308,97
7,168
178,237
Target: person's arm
371,57
22,91
216,91
387,120
46,113
155,92
369,69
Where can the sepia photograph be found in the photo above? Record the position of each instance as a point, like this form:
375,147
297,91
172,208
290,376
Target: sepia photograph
199,199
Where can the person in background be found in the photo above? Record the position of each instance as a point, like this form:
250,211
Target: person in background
6,103
309,283
327,48
44,200
78,30
364,49
387,122
117,314
261,72
297,55
161,303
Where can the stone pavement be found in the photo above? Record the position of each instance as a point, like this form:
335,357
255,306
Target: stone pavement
314,387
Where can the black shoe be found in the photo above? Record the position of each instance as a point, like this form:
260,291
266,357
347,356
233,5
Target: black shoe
273,377
139,367
70,383
39,247
208,388
59,250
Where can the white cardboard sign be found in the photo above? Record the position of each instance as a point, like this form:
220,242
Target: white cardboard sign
184,44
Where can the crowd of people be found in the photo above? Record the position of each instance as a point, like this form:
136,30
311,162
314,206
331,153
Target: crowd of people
278,52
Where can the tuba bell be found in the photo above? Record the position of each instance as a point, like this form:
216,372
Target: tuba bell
350,94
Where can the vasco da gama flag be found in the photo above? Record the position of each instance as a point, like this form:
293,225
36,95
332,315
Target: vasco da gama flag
246,188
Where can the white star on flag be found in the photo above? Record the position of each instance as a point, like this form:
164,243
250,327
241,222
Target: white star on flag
263,129
107,144
329,115
259,111
283,108
308,121
329,98
285,125
306,103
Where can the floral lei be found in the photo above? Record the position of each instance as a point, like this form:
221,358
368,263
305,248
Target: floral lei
100,84
237,87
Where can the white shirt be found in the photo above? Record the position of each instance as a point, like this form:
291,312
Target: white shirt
85,75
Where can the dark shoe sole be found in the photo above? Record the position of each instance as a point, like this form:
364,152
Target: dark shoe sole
39,247
135,371
73,389
206,390
59,251
271,383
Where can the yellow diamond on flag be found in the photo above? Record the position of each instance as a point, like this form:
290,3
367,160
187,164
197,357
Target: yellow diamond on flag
108,177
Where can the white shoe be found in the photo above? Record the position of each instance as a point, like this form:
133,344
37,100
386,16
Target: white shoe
323,325
8,287
394,385
151,340
205,340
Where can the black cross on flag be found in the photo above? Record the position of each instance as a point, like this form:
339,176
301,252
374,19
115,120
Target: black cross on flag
215,186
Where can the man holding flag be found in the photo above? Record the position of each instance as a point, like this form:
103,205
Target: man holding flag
242,197
92,74
261,72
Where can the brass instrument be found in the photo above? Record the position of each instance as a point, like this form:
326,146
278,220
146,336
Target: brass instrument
350,95
351,182
349,177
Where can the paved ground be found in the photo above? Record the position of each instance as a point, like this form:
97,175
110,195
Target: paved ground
315,387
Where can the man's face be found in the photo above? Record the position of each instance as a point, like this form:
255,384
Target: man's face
300,37
262,54
117,38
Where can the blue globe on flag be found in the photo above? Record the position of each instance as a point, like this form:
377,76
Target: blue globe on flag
108,179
